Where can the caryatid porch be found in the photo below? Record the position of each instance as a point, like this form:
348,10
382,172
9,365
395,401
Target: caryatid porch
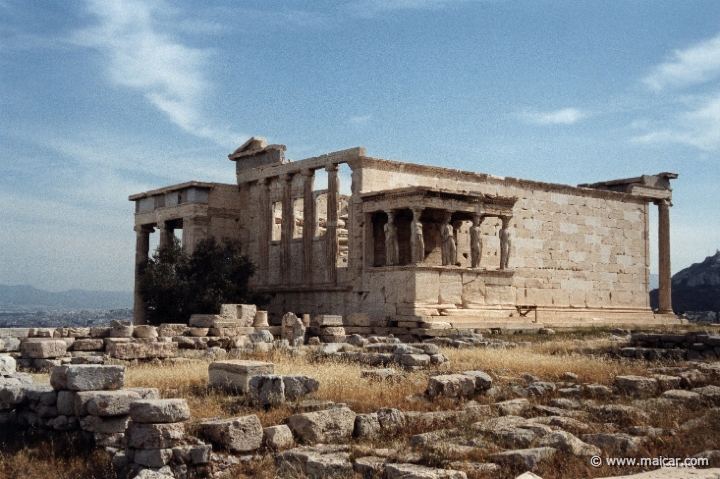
409,226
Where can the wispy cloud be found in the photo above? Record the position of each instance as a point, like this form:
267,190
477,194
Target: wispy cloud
699,127
143,54
567,116
369,8
360,119
696,64
697,123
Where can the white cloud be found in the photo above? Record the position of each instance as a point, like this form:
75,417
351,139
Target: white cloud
699,127
372,7
567,116
697,64
142,54
360,120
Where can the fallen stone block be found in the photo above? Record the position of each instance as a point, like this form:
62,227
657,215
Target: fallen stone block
278,438
451,385
8,365
483,381
20,393
298,386
170,330
314,462
43,349
88,377
204,320
154,436
96,344
680,396
142,350
266,390
14,332
236,374
564,441
111,403
121,329
523,458
330,425
240,434
159,410
638,386
416,471
615,443
153,457
9,345
104,425
145,332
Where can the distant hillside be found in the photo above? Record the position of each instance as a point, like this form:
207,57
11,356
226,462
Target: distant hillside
696,288
29,297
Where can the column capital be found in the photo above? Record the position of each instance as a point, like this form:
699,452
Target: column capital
663,202
286,177
417,211
307,172
262,181
332,167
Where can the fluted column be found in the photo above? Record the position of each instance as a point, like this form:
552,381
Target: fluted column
308,225
264,220
286,226
331,240
665,288
142,249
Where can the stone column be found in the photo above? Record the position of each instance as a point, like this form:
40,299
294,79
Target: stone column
449,247
195,228
142,249
505,242
165,231
286,227
308,225
264,221
664,290
331,240
476,241
417,241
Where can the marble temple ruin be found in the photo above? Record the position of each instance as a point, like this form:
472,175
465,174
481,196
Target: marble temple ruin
419,246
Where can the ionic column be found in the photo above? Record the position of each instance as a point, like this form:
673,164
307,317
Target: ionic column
308,224
331,240
286,226
505,242
417,241
142,249
664,290
264,219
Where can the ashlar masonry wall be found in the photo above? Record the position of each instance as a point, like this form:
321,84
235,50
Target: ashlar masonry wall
576,252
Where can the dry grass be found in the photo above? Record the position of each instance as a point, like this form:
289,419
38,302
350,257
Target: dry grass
548,358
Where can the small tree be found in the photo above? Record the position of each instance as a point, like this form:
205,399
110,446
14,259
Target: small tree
176,284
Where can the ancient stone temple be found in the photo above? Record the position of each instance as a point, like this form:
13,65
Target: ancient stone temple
422,246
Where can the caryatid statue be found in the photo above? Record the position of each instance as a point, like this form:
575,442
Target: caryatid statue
475,242
505,243
449,249
417,242
392,250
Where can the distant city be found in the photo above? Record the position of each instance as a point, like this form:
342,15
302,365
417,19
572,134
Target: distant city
25,306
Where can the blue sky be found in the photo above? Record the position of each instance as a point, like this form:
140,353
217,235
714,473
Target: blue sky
103,99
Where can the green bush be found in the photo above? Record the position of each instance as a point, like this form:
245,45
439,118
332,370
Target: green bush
176,284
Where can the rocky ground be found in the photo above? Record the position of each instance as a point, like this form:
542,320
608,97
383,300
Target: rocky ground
519,404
